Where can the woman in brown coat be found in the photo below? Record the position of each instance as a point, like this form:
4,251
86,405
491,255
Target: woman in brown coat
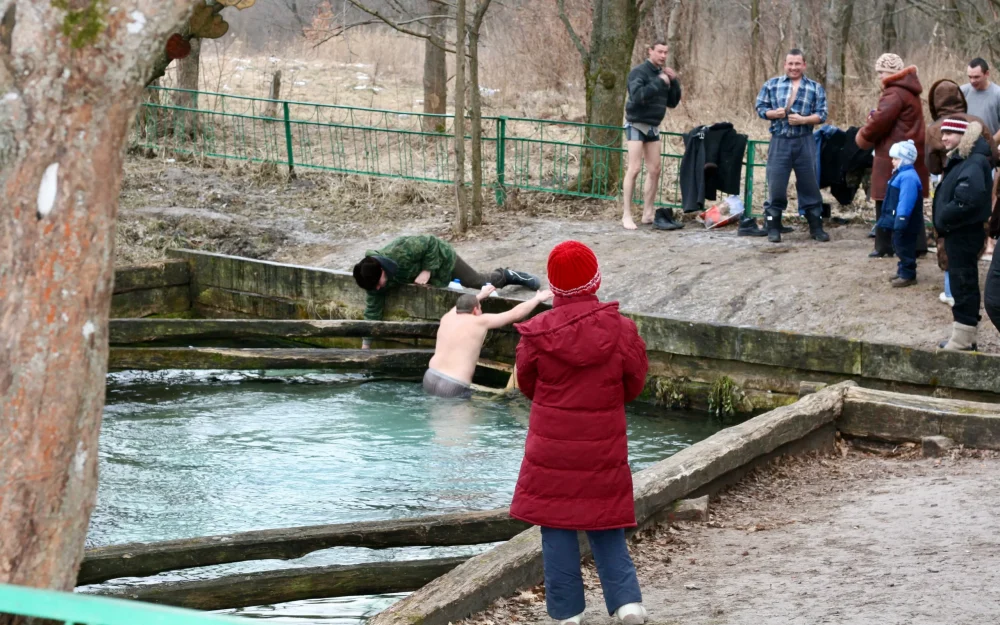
898,117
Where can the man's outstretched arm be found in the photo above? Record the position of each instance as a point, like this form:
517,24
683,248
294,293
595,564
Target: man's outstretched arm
516,313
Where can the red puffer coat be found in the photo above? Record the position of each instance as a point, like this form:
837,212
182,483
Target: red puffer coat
579,364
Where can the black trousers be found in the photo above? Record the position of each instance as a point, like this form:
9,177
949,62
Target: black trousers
992,295
963,247
470,278
883,236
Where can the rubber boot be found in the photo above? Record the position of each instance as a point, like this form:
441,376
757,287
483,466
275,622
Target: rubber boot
963,339
816,228
664,220
521,278
749,228
783,228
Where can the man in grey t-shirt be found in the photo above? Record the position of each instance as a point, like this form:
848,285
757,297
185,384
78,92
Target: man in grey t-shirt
982,95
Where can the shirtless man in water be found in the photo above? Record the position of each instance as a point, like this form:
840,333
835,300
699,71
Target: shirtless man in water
460,338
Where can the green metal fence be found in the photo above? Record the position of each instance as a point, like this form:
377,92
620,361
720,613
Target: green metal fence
567,158
78,609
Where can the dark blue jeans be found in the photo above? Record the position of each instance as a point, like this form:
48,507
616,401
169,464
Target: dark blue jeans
905,243
785,155
564,582
992,295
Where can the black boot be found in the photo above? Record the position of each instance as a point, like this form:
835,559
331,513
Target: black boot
521,278
816,228
664,220
774,235
784,229
748,228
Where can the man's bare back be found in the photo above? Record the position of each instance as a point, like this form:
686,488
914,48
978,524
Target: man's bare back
460,336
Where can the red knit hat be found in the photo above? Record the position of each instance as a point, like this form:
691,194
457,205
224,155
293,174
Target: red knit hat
955,125
573,270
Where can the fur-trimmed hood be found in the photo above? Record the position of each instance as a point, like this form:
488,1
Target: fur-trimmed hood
971,141
905,79
946,98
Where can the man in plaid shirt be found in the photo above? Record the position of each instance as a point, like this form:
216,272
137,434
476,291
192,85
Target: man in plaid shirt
794,104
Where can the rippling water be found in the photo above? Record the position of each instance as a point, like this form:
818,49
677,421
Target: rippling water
193,454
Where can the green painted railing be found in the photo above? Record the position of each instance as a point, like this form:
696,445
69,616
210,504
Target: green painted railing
78,609
567,158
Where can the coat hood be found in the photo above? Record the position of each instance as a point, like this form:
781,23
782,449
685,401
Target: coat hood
906,79
946,98
581,332
972,142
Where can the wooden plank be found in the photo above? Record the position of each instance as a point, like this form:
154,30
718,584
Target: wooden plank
409,361
133,331
517,563
269,587
141,559
160,301
152,276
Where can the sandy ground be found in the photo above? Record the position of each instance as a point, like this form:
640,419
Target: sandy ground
329,221
856,539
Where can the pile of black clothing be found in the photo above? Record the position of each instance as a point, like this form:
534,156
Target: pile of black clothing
842,165
712,162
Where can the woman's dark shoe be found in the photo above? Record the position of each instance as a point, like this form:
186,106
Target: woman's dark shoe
878,254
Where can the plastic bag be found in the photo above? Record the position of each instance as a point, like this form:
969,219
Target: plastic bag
723,213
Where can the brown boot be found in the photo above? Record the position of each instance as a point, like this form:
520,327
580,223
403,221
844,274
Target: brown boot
898,282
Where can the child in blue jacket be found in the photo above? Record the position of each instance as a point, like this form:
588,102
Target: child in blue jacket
903,211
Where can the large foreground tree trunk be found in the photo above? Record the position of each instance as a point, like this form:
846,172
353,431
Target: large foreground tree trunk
605,67
69,99
435,68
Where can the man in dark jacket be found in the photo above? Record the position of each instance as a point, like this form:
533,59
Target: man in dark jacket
652,88
961,208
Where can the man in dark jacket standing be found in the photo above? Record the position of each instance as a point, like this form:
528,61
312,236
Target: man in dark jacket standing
793,104
961,209
652,88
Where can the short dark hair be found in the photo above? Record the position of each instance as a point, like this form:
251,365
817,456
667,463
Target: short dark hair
796,52
367,273
980,63
466,304
658,42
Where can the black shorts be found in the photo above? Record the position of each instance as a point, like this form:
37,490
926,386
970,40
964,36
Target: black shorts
634,134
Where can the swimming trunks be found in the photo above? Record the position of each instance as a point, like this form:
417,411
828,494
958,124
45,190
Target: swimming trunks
441,385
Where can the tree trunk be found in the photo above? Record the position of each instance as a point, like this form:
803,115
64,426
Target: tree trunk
841,15
271,109
461,204
606,78
62,131
888,26
477,114
435,69
673,34
188,70
754,44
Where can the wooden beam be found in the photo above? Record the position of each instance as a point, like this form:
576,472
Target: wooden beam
135,331
269,587
399,361
141,559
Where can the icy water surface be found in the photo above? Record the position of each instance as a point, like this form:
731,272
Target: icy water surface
194,454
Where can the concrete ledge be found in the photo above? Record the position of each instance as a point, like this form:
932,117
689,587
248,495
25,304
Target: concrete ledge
152,276
472,586
146,302
402,362
896,417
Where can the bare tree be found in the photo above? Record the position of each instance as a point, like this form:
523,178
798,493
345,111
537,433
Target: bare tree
72,79
841,14
476,216
461,202
754,43
435,66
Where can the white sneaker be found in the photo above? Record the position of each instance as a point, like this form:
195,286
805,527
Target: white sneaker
631,614
945,299
573,620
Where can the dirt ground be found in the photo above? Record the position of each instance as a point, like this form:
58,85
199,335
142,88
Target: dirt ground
855,539
329,221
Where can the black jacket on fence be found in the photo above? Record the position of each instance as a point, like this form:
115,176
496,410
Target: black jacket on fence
841,164
712,162
648,96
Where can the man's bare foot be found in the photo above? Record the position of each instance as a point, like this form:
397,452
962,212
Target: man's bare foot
628,222
648,216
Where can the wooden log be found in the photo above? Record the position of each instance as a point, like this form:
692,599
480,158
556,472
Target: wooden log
141,559
517,563
152,276
145,302
400,361
269,587
135,331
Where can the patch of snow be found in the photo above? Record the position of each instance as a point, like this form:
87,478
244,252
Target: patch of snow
240,68
273,59
88,329
418,101
137,24
486,91
300,83
226,88
10,96
47,190
362,76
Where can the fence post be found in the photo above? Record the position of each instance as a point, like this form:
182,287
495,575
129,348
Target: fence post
500,191
748,184
288,140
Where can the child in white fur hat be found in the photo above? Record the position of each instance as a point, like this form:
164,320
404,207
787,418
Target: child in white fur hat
902,211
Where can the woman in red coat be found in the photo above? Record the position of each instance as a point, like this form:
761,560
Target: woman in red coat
898,117
579,364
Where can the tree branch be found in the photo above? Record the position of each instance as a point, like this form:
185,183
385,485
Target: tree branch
340,30
477,18
584,54
400,26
